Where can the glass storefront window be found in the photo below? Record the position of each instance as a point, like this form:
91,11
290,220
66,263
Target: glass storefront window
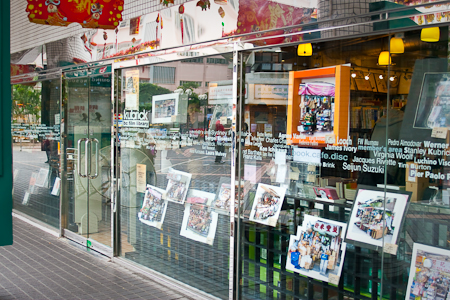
337,178
343,170
175,161
35,130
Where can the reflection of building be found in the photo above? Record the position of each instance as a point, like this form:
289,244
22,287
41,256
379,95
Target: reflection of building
197,70
266,95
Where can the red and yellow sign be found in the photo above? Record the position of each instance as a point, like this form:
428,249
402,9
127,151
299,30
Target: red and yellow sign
105,14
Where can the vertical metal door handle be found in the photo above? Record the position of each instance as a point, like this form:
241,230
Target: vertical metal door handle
87,160
96,159
79,157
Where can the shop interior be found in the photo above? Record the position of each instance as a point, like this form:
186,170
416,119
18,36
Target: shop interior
375,87
386,103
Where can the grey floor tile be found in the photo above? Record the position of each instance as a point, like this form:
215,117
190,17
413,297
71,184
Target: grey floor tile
40,266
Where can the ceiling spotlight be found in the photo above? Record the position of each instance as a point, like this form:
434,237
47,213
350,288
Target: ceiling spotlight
353,75
381,76
367,77
392,78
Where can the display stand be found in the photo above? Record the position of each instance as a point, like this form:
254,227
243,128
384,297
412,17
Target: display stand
337,76
267,257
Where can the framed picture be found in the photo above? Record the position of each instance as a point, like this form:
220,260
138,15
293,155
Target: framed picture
164,107
199,223
267,204
374,217
318,249
381,83
153,208
429,274
320,102
433,107
177,186
362,83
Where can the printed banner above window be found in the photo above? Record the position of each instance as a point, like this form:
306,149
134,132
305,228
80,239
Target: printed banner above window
260,15
105,14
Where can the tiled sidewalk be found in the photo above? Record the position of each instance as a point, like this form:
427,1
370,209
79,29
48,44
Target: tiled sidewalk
41,266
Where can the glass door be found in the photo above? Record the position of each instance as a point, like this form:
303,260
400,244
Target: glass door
88,157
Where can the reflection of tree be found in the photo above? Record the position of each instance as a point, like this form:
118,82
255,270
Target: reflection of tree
146,92
26,102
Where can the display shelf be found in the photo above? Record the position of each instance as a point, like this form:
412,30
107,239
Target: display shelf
344,205
423,206
336,76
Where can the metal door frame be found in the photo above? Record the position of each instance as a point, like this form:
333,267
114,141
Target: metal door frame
86,242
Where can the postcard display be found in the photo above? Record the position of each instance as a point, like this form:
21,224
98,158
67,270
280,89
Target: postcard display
267,204
376,217
318,249
223,198
199,219
153,208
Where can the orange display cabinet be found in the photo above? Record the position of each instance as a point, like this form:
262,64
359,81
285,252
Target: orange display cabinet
341,76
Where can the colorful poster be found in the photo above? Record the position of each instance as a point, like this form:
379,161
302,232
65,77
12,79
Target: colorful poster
223,196
105,14
429,274
134,25
199,223
177,186
222,203
200,197
153,208
132,90
141,178
267,204
318,249
376,216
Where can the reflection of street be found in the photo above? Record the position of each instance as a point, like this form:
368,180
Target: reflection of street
202,167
